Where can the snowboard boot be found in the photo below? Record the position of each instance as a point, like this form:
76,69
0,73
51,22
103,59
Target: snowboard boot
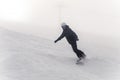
80,58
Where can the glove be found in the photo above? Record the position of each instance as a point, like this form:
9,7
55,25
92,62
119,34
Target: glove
55,41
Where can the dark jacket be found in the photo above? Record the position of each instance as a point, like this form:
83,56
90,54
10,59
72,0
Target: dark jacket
68,34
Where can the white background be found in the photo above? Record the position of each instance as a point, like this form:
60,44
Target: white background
43,17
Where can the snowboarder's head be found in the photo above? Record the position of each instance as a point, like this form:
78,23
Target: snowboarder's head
64,25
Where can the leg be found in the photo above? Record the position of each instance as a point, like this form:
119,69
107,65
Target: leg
78,52
82,53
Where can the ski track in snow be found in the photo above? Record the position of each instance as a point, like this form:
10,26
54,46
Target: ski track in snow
26,57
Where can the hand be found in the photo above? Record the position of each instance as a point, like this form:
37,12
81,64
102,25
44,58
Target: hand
55,41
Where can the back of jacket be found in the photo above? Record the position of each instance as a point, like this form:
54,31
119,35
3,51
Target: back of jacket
70,35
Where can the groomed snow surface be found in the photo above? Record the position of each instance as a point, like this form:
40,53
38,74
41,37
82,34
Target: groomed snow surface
27,57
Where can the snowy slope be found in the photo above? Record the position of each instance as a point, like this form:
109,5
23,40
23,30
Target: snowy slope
27,57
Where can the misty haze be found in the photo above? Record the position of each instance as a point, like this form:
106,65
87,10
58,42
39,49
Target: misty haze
28,29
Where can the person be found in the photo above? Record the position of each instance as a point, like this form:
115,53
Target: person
72,39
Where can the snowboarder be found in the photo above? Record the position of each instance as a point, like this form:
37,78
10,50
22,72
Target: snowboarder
71,38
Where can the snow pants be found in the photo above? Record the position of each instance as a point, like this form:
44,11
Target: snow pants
78,52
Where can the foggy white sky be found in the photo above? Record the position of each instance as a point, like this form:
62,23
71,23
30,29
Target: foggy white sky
42,17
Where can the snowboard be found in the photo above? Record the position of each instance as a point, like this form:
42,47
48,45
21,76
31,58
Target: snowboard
81,61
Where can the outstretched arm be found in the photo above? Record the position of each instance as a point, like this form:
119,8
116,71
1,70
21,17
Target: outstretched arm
61,36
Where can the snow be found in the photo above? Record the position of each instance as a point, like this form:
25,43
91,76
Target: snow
27,57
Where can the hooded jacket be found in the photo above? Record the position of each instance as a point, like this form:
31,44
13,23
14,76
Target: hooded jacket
68,34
